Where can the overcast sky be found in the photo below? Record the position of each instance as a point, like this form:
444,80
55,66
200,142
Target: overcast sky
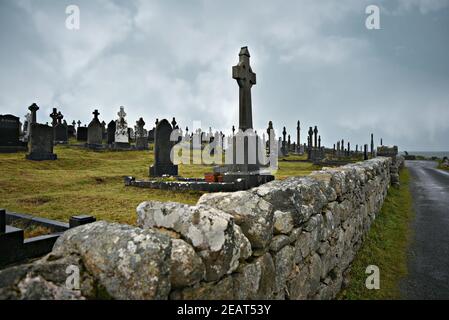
315,62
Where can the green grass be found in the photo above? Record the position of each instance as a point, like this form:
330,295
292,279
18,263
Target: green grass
441,166
88,182
385,246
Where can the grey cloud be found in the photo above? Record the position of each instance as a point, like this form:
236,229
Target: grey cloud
315,62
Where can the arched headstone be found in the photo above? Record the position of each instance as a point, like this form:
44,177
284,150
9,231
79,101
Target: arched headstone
162,149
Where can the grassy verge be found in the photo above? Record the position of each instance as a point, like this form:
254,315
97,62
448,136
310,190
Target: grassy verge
441,166
385,246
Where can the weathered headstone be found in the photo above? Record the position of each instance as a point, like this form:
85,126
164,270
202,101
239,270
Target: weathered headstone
10,134
41,143
54,117
71,130
122,138
141,138
94,132
111,132
284,142
163,164
81,134
61,132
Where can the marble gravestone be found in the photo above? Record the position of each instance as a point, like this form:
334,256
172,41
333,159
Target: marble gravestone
141,138
95,132
10,134
111,132
162,150
121,138
41,143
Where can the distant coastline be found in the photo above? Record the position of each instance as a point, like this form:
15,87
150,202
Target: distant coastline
428,154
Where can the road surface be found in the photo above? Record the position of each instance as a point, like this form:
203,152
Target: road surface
428,261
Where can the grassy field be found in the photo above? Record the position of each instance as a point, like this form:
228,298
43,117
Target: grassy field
88,182
385,247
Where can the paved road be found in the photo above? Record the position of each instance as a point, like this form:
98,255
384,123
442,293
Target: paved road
429,251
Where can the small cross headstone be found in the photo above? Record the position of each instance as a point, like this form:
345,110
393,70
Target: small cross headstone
33,108
94,132
121,138
54,117
61,135
141,139
298,135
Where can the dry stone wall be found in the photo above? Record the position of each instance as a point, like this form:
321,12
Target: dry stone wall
289,239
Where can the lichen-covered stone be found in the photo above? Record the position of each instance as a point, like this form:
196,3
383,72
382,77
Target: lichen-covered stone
187,268
128,262
252,213
221,290
255,281
210,231
283,263
279,242
283,222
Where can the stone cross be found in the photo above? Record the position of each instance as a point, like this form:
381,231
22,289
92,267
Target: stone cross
54,117
319,142
157,121
315,131
245,78
79,123
289,142
270,130
33,108
310,137
121,114
298,136
59,117
284,133
73,123
96,113
173,123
